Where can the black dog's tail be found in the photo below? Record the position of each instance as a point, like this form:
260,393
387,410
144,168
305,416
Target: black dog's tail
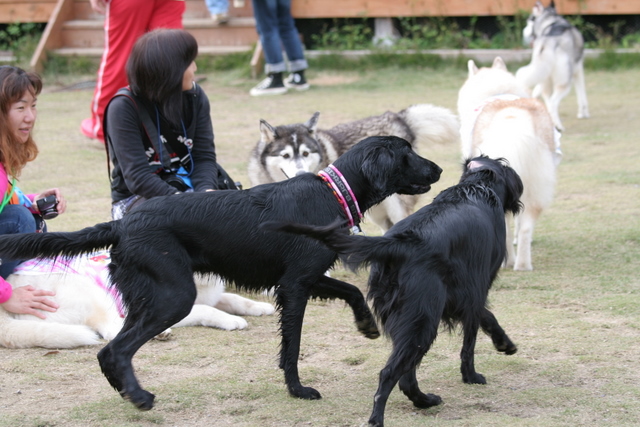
65,244
356,251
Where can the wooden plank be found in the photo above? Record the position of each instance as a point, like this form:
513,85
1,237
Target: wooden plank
52,35
398,8
41,10
25,11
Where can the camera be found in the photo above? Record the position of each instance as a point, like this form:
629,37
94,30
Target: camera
48,207
175,181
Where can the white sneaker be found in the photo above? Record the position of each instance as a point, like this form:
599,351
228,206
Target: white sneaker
296,81
220,18
272,85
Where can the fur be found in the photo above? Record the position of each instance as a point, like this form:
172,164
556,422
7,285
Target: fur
156,248
518,129
88,312
556,60
436,265
288,150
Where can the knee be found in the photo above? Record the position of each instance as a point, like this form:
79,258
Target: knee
17,219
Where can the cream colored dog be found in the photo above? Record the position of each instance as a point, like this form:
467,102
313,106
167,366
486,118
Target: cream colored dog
91,310
499,119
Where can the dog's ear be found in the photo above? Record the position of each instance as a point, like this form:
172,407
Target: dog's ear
552,5
312,123
473,68
499,64
267,132
515,187
538,8
377,166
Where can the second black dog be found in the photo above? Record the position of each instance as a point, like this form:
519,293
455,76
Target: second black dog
437,264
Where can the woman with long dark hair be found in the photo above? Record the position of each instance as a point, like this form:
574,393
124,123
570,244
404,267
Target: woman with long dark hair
158,130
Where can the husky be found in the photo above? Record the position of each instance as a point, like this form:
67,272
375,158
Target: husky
288,150
498,119
91,310
556,61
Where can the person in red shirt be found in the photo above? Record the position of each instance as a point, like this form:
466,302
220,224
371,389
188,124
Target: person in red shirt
125,21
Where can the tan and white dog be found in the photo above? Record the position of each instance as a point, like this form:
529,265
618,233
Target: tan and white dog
91,311
499,119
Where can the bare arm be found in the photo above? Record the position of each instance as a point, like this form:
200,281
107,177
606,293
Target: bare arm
99,6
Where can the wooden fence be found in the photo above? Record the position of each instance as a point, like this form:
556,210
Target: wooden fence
40,10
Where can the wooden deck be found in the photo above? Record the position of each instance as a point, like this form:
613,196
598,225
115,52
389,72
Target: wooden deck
41,10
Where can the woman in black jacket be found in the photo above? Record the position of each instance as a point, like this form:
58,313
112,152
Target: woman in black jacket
158,131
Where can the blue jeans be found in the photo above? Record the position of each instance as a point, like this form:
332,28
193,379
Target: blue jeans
217,6
277,31
15,219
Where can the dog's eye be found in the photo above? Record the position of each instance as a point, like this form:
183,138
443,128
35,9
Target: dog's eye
286,156
305,154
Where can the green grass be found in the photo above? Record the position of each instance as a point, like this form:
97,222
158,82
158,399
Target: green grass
575,318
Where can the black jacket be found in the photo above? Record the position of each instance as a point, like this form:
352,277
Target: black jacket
128,142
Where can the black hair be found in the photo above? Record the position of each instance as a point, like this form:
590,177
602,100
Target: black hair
156,67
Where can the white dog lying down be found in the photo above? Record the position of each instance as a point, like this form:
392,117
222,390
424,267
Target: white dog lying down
90,309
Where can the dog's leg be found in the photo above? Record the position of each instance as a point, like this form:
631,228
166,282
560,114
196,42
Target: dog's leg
147,317
560,90
331,288
526,223
511,224
467,354
410,344
235,304
409,386
491,327
205,315
292,300
581,92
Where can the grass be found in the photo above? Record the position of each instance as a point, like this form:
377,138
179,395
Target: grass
576,317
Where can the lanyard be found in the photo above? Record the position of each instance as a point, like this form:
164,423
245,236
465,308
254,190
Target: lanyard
8,195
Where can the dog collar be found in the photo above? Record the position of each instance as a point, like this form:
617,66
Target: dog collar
340,188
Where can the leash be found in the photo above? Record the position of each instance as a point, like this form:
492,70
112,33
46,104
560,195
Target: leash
341,189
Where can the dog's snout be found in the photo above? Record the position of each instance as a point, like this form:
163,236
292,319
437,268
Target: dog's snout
300,172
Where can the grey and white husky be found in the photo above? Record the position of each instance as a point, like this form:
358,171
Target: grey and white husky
288,150
556,61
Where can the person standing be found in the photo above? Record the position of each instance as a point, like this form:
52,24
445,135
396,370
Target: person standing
19,212
277,30
125,21
219,10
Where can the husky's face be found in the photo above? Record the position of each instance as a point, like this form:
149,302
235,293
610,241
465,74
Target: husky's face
290,150
540,17
290,158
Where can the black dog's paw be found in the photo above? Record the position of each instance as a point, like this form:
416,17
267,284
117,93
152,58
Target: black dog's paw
142,399
507,348
427,401
306,393
474,378
368,328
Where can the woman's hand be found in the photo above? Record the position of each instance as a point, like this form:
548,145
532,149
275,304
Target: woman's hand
62,203
99,6
29,300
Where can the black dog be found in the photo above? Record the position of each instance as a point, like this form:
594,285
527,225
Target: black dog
156,249
437,264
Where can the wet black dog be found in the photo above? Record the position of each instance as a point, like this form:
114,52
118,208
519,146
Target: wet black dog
156,248
437,264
